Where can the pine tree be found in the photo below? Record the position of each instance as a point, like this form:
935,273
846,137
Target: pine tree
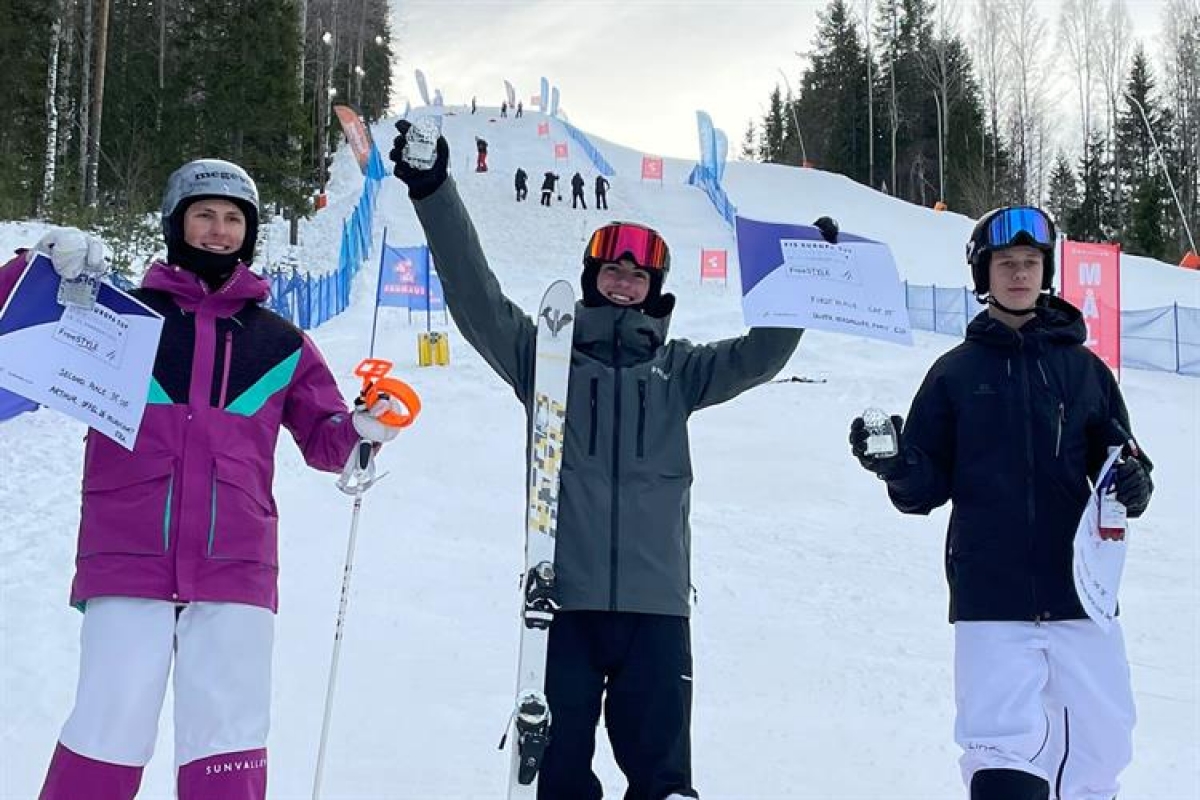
830,103
771,142
1087,222
1063,201
1142,191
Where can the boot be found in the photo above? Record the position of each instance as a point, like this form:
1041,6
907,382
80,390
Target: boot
229,776
72,777
1008,784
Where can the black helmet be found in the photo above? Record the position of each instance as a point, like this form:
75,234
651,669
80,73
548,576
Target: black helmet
210,177
1008,227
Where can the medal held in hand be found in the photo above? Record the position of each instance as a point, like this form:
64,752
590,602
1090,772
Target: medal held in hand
420,144
881,434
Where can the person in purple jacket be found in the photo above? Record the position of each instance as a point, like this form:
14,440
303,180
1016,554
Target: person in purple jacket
177,557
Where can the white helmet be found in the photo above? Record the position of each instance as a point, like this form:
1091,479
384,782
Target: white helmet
210,177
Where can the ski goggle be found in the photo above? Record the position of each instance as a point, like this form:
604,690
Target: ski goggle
1019,225
619,240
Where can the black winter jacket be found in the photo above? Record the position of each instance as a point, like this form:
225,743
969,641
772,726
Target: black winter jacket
1010,426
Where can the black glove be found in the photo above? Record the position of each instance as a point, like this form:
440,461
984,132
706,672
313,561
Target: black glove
421,182
829,229
885,468
1134,485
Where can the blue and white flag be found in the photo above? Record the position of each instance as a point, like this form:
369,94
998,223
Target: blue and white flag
422,88
544,102
406,280
554,102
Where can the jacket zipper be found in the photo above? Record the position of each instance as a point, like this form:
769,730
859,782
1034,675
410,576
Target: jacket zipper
594,411
1062,418
641,424
1030,502
614,542
225,368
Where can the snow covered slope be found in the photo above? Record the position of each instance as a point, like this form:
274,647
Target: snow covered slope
823,660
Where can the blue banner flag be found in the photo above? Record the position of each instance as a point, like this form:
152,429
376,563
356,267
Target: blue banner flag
407,281
544,99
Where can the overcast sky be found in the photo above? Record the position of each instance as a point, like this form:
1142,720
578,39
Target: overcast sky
634,72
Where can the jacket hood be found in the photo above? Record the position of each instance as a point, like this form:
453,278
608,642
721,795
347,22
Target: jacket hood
190,292
598,328
1054,321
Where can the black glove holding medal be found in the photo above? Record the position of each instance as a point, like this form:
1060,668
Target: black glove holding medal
421,182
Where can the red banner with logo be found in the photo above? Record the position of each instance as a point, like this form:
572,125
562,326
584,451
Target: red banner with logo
356,134
714,265
560,150
543,129
1091,281
652,168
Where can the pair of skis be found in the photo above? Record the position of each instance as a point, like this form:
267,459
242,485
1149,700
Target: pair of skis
531,721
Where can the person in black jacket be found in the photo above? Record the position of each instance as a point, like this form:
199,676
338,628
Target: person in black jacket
481,147
577,191
548,182
601,192
1012,428
620,641
519,182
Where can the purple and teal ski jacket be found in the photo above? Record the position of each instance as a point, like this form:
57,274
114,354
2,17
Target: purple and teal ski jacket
189,513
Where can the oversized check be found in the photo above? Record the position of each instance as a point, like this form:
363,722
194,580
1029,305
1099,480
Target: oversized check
793,278
92,364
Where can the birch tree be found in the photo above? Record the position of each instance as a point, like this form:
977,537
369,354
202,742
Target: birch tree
50,153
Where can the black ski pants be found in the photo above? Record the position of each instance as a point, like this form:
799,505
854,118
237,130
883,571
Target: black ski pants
601,200
545,197
577,197
640,665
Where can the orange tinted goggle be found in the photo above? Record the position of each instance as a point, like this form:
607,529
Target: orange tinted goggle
626,240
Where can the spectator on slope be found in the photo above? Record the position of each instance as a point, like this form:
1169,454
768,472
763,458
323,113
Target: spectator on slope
177,562
1011,427
481,146
472,105
504,108
623,567
577,184
520,181
549,180
601,192
520,110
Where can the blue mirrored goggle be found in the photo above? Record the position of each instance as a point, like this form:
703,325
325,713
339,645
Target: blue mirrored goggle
1007,227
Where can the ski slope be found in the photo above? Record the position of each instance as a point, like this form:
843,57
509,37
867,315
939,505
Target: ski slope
822,654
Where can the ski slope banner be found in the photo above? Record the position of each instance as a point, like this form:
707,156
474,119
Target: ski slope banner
793,278
92,364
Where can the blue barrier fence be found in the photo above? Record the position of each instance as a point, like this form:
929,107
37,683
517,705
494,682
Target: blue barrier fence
704,178
581,139
1166,339
310,300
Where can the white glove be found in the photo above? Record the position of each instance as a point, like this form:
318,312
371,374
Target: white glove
73,253
367,422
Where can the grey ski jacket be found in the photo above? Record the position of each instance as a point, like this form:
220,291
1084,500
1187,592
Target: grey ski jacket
624,542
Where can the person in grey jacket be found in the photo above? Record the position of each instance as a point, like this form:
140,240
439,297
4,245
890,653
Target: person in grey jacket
624,545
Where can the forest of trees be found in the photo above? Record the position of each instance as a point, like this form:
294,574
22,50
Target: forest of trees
953,101
104,98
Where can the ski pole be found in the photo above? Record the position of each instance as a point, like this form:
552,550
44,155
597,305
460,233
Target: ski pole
356,479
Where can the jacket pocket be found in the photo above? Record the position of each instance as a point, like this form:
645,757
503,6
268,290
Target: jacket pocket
127,511
243,524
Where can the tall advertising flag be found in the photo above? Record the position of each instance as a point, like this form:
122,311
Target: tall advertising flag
708,143
512,94
357,134
544,99
422,88
722,151
554,102
1091,281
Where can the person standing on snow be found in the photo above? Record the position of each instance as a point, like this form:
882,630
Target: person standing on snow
548,182
520,110
601,192
623,538
480,154
577,184
504,108
472,105
177,562
1010,427
520,183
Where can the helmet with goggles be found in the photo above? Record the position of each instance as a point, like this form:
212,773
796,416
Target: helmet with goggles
1010,227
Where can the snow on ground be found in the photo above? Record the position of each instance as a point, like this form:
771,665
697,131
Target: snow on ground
823,659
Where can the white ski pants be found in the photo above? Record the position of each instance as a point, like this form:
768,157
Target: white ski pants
222,655
1052,699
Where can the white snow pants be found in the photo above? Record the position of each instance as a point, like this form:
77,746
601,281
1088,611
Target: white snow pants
1052,699
222,654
